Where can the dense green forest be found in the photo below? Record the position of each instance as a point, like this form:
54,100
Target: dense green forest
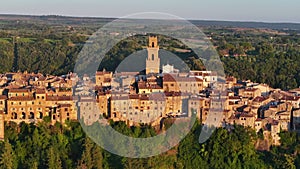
272,60
54,147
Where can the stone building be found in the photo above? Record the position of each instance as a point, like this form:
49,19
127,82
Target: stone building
174,83
88,110
296,119
137,108
3,99
32,103
249,93
153,60
1,126
200,106
103,78
275,130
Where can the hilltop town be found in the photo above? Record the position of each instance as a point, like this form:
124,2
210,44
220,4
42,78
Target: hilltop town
160,92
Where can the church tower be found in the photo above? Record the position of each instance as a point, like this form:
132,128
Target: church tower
153,61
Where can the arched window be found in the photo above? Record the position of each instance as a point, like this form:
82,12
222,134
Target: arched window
152,56
31,116
40,115
14,116
153,44
23,115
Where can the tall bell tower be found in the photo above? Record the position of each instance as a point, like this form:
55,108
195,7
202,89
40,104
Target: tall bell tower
153,61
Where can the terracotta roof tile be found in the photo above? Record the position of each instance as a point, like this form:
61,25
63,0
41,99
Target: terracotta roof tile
59,98
19,90
22,98
3,97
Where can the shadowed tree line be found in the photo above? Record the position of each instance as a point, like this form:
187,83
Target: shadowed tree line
58,146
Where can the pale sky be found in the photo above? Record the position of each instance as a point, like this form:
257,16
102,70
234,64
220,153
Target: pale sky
232,10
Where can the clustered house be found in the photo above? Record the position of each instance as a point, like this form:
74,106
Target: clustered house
161,91
29,97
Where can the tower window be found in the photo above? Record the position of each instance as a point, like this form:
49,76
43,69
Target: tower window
153,44
152,56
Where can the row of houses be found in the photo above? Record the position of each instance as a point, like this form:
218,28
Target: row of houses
31,97
149,99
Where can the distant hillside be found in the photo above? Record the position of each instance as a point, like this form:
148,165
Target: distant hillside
261,52
286,26
55,19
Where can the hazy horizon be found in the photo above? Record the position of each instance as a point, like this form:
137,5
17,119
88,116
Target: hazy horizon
215,10
111,17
